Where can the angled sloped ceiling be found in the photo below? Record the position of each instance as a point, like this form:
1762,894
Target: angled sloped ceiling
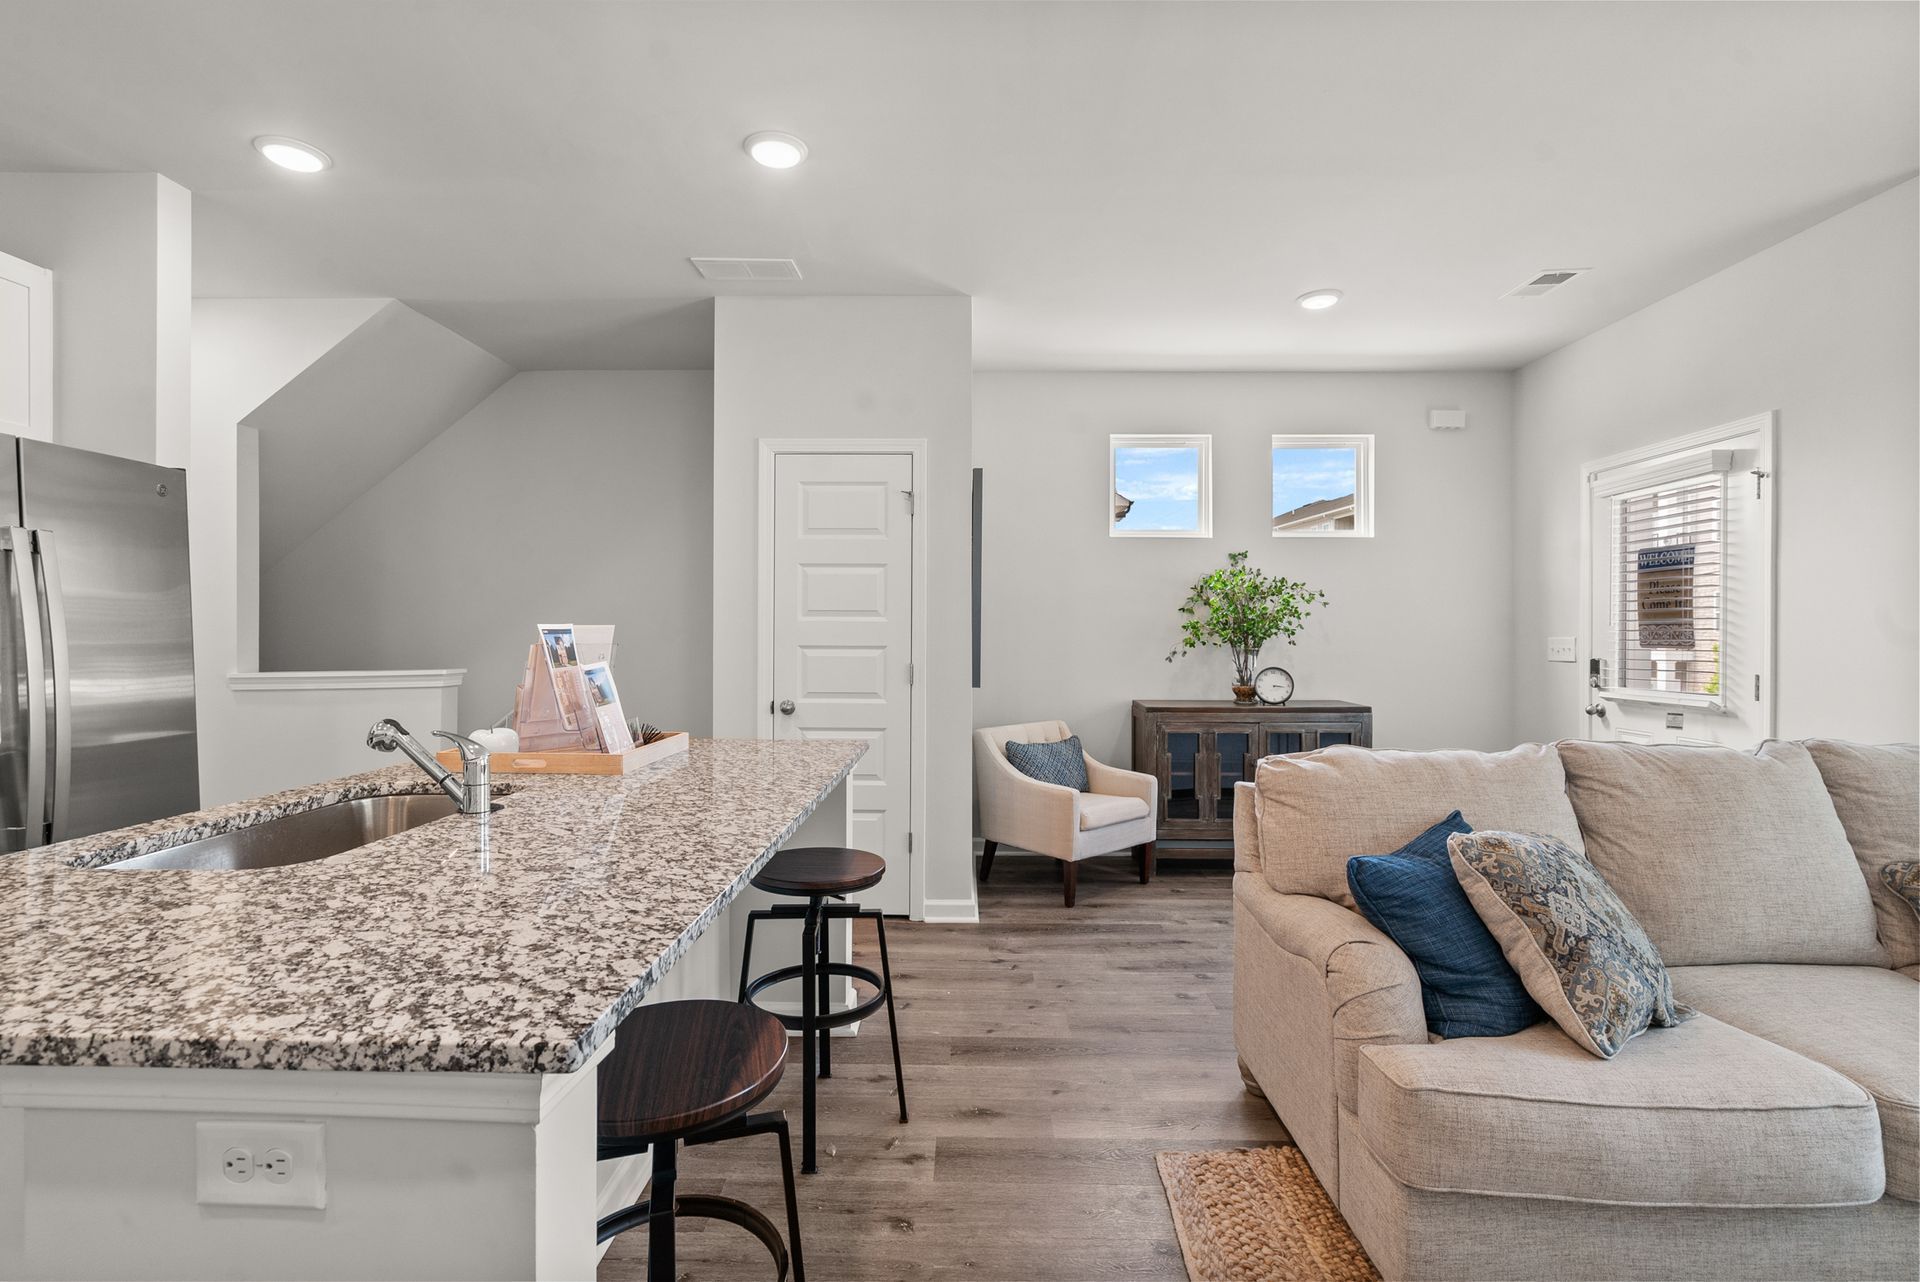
356,414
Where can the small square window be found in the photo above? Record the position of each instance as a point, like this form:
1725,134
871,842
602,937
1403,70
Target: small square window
1323,487
1162,487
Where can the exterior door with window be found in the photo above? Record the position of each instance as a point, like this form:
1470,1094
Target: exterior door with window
843,634
1679,584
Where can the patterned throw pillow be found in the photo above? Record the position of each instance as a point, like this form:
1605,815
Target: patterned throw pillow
1903,879
1577,948
1466,985
1062,763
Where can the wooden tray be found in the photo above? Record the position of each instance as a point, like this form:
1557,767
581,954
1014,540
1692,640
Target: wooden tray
578,763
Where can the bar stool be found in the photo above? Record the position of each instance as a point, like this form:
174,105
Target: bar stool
820,873
687,1073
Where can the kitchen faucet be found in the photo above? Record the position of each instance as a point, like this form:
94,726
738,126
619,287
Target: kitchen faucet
471,791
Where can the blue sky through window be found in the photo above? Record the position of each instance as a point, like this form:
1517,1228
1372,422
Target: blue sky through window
1164,484
1307,474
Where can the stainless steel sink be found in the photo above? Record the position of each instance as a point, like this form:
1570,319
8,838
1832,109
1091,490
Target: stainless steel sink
297,838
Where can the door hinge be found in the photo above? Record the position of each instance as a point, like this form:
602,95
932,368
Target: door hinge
1756,687
909,843
909,494
909,674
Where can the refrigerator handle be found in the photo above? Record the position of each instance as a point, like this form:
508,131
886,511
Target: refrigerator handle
19,544
43,545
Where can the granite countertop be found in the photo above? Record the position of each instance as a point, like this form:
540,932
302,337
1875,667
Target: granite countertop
430,950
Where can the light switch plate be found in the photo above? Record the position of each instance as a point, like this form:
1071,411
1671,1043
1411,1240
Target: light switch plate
1560,649
260,1163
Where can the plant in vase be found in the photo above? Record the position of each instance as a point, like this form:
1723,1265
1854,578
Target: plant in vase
1241,609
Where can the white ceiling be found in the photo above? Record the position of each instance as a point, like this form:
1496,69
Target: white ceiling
1117,186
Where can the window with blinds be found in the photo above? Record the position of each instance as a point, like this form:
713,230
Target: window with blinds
1669,573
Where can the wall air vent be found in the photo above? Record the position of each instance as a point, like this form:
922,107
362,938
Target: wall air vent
747,268
1546,282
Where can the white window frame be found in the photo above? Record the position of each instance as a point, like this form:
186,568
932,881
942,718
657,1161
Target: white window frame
1203,443
1362,447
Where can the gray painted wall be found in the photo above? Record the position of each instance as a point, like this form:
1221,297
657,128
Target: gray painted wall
854,367
1821,327
564,496
1077,624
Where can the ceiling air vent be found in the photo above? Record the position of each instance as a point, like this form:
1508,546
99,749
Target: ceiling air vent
1546,282
747,268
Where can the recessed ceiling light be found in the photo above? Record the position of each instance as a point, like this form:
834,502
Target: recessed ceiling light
776,151
1318,300
291,153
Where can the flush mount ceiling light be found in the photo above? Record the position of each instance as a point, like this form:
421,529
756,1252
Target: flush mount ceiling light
1318,300
291,153
775,150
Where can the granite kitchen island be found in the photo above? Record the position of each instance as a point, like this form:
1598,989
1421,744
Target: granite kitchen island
436,1001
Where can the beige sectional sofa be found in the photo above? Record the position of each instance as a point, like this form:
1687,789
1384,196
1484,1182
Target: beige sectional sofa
1775,1135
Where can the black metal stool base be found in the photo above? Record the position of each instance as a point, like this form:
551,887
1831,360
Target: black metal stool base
817,1019
663,1206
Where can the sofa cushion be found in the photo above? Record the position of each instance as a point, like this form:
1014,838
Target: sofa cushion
1319,810
1098,810
1061,762
1575,946
1876,792
1699,1115
1724,856
1467,987
1860,1021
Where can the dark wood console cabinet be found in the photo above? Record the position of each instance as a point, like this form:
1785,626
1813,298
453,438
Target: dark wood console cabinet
1200,748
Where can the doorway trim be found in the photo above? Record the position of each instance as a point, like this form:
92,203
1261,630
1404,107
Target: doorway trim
915,448
1766,425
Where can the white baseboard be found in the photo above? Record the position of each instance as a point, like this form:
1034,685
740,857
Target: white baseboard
961,911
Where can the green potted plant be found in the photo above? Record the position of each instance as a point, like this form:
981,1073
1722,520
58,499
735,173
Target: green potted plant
1243,608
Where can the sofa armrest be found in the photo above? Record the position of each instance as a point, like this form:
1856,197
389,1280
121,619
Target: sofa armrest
1021,811
1246,827
1112,781
1370,989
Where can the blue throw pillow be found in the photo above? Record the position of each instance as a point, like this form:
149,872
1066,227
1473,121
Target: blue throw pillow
1466,984
1064,764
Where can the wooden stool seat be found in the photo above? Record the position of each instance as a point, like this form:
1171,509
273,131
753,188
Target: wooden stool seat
820,870
679,1066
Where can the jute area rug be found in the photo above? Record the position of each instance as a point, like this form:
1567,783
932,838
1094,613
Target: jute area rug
1258,1215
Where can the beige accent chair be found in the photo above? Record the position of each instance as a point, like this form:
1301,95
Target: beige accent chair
1117,814
1774,1135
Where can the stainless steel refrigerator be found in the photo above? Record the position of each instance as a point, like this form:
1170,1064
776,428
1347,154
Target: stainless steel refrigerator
96,727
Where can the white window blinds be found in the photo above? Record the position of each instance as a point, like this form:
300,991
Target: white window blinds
1669,574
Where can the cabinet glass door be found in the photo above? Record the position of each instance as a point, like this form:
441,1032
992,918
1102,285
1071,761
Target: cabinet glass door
1282,741
1183,774
1236,751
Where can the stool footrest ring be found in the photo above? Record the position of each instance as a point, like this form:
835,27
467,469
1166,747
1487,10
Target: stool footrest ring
825,1019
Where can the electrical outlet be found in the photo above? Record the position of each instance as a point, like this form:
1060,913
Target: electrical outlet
1560,650
261,1163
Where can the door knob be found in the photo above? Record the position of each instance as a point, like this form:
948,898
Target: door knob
786,707
1596,709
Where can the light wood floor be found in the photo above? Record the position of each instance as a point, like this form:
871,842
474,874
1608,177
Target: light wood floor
1049,1054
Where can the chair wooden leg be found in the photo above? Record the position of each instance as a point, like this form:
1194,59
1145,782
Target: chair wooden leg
1070,875
1147,854
987,850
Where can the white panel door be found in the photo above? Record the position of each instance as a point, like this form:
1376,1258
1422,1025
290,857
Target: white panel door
843,633
1679,578
26,349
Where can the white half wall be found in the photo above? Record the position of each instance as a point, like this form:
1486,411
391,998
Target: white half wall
1824,328
120,247
1076,624
854,368
565,496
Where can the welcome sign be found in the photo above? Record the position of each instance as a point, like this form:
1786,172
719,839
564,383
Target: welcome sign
1665,596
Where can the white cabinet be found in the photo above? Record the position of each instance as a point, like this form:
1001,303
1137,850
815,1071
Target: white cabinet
26,349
